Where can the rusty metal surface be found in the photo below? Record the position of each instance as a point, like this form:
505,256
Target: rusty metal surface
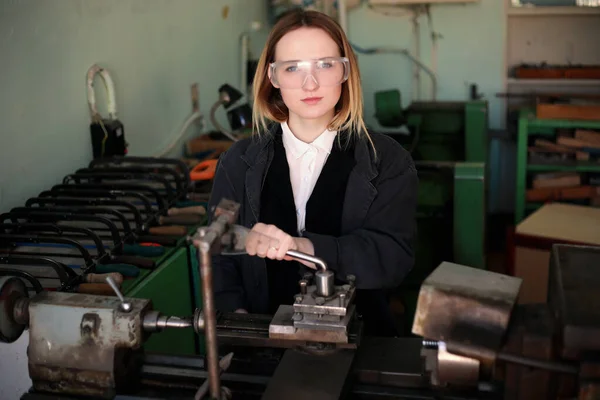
468,308
83,345
228,208
282,327
328,306
574,296
210,323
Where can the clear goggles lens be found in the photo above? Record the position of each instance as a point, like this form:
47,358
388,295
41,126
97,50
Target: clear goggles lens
322,72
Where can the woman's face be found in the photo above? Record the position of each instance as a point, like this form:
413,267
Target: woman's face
311,100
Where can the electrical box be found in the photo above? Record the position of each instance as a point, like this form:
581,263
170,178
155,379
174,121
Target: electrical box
416,2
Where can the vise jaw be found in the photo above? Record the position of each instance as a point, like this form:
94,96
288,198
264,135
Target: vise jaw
84,345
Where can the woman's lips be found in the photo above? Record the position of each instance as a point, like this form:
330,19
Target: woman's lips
312,100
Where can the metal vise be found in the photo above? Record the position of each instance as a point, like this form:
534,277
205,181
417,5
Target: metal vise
463,313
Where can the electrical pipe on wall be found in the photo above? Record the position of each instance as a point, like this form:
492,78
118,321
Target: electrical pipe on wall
406,53
343,15
417,52
195,116
255,26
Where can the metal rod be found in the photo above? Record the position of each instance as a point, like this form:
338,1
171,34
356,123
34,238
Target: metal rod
530,362
210,330
306,257
176,322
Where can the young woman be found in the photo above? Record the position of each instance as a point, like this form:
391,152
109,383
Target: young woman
313,179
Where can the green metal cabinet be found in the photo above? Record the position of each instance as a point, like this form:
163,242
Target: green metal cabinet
469,228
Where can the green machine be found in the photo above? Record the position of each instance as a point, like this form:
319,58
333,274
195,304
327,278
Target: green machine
174,288
448,142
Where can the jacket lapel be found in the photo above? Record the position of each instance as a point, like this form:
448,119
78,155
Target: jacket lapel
258,157
360,192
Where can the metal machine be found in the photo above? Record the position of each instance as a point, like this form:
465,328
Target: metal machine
474,341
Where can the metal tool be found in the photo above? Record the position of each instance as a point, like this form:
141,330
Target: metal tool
223,366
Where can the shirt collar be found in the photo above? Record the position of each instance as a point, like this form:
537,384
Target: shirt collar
323,142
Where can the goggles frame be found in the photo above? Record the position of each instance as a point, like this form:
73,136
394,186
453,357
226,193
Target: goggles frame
343,60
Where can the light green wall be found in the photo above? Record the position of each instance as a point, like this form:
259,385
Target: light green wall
155,49
471,50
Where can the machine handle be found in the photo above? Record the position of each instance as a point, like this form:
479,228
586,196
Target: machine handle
125,305
236,245
307,257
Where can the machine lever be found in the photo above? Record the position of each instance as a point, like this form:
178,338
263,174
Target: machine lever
125,306
307,257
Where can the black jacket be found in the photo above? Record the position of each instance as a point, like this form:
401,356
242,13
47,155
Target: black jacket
378,219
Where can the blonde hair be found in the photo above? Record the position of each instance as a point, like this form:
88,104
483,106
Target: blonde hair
268,104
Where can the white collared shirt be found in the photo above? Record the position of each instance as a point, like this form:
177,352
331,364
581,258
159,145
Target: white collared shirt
306,161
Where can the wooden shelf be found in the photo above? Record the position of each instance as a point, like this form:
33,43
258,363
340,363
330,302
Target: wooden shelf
526,11
553,82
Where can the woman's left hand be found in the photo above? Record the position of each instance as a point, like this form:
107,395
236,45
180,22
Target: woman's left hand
268,241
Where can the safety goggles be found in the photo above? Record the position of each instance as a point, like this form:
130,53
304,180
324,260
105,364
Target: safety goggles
330,71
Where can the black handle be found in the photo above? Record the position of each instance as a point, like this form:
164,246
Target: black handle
47,202
84,187
64,273
120,160
101,195
54,216
44,228
91,178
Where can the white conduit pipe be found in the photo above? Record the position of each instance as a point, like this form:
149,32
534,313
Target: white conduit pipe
343,15
191,119
110,90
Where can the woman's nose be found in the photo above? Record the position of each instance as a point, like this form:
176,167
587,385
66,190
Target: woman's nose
310,83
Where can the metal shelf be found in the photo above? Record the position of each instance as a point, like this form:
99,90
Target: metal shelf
528,124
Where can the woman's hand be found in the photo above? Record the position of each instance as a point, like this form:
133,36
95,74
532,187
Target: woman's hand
268,241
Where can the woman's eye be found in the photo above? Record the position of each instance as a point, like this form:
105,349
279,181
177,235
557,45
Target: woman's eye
290,69
325,65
